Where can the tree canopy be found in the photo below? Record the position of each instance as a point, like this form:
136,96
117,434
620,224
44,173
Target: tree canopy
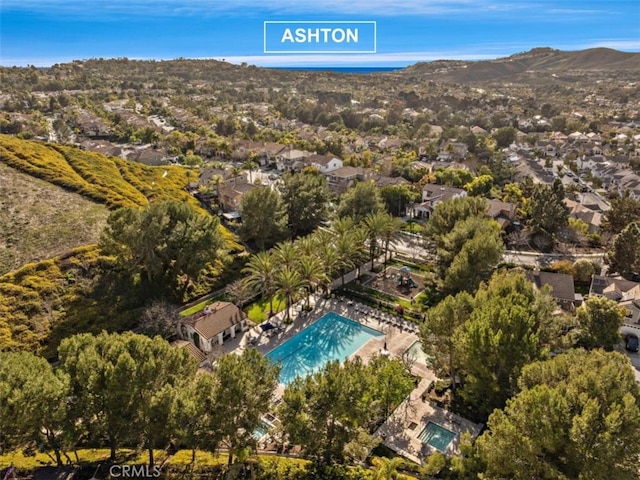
264,217
600,319
469,253
168,243
306,197
505,332
120,384
624,254
577,415
359,201
624,210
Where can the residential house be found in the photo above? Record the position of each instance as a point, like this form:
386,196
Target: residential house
231,195
217,323
385,181
324,163
149,156
562,286
264,153
434,194
502,212
625,292
592,218
341,179
286,158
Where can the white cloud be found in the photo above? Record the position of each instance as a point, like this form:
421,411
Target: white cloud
353,7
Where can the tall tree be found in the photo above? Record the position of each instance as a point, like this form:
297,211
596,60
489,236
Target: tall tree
469,253
397,197
624,254
120,385
391,234
288,283
264,217
438,332
33,404
624,210
376,225
576,416
546,211
600,319
346,248
286,254
447,214
245,385
306,197
359,201
261,272
322,411
504,333
311,273
169,243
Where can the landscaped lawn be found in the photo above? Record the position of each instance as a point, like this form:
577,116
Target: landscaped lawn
200,306
258,311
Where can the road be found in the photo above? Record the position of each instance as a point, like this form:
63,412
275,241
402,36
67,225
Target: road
633,356
412,246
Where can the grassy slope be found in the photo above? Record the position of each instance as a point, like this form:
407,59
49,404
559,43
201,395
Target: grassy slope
108,180
40,220
41,303
111,181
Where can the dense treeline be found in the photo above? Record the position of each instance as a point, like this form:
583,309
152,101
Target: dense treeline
131,391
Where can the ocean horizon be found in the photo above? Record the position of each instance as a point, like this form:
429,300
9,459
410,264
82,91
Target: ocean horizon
342,69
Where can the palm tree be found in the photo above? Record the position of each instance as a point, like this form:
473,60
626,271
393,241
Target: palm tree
376,224
312,273
261,272
345,250
329,259
360,235
308,246
288,282
250,165
343,225
391,233
286,254
217,180
235,173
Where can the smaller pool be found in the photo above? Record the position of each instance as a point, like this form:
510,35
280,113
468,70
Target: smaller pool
262,430
415,353
437,436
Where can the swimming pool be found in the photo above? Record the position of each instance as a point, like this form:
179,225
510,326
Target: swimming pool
331,337
415,353
437,436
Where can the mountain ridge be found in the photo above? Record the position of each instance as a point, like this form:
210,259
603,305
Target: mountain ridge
537,60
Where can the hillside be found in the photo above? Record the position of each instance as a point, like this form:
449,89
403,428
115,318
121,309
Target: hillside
109,180
40,220
527,66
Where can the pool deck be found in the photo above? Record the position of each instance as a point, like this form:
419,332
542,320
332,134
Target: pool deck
399,335
398,435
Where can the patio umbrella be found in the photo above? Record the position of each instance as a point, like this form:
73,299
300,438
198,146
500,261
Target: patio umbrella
405,269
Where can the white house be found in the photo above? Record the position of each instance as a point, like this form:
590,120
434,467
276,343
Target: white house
215,324
324,163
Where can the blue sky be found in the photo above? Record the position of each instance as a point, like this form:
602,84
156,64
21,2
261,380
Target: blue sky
44,32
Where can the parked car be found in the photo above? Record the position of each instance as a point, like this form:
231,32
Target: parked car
631,342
